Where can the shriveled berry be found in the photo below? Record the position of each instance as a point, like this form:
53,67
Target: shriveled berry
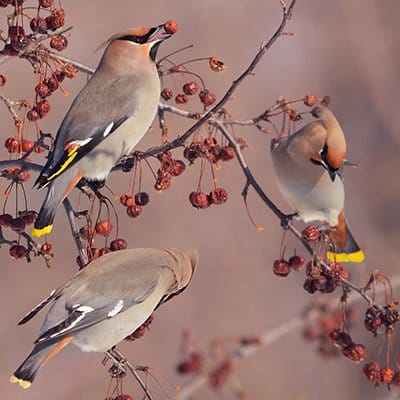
42,90
18,224
226,153
167,94
309,286
373,372
51,83
33,115
45,3
5,220
387,375
27,145
390,316
104,227
11,144
118,244
103,251
134,210
207,98
310,100
28,216
191,88
373,320
55,21
199,199
3,80
123,397
18,251
320,282
142,198
339,338
19,42
216,65
59,42
171,27
218,196
178,167
281,268
46,248
338,271
313,270
355,352
38,25
23,175
311,233
59,75
43,108
296,262
8,50
181,98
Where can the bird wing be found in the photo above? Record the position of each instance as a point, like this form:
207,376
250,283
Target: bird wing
98,110
99,308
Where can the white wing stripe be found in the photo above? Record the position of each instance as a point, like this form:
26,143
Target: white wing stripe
118,307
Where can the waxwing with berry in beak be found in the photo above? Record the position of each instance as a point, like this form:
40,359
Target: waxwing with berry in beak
107,118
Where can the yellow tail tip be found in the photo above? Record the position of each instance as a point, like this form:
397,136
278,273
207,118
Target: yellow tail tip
42,231
21,382
357,256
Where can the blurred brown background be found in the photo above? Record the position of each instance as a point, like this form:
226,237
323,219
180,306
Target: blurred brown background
348,50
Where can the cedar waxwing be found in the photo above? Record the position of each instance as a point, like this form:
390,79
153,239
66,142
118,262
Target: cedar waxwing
306,166
106,120
106,301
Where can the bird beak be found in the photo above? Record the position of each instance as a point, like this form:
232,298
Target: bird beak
158,35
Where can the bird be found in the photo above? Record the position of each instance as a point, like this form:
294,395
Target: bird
307,166
106,301
106,120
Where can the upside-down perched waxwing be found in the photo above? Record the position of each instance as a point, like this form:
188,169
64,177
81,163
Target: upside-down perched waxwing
306,166
105,302
106,120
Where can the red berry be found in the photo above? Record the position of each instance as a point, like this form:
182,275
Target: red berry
311,233
178,167
8,50
207,98
11,144
281,268
29,217
355,352
33,115
226,153
46,248
43,108
59,42
181,98
218,196
312,270
142,198
3,80
192,364
18,251
27,145
104,227
191,88
387,375
309,286
134,211
123,397
19,42
51,83
5,220
45,3
198,199
171,27
103,251
23,176
38,25
310,100
296,263
18,224
339,338
373,372
55,21
166,94
118,244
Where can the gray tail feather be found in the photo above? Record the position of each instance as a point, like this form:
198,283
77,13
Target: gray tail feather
29,368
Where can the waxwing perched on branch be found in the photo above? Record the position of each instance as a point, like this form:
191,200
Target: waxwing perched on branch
106,120
106,301
306,166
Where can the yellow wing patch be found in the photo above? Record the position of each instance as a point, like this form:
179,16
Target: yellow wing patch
21,382
357,256
72,153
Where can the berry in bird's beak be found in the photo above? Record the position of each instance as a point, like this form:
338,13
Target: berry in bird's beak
163,32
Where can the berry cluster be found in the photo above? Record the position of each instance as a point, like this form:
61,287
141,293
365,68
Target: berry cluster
168,169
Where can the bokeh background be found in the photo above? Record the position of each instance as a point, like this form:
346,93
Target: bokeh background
348,50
